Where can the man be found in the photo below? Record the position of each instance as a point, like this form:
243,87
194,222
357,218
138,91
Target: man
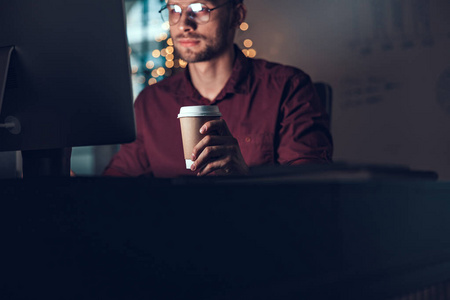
270,113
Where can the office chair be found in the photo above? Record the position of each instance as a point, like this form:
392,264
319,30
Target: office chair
325,93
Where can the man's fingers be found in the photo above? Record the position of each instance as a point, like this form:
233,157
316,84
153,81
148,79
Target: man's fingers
209,154
208,140
222,164
215,126
211,167
217,151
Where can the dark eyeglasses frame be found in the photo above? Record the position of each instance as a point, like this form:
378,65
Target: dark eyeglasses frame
182,10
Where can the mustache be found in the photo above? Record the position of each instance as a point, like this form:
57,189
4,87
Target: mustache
190,36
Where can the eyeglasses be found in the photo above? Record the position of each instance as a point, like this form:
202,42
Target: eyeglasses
197,12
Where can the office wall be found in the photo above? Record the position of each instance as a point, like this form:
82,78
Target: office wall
388,62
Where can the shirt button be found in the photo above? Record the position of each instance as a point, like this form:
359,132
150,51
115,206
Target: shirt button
248,139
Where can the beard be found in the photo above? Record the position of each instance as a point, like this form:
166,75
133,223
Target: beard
213,46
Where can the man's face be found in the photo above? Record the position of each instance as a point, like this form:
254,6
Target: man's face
196,42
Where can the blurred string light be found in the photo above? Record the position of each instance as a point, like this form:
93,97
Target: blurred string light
248,43
169,64
165,26
156,53
140,79
148,39
150,64
161,71
183,64
244,26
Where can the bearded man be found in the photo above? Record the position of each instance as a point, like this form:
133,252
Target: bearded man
271,113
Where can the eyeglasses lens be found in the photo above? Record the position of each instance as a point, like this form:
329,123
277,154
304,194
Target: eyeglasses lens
195,11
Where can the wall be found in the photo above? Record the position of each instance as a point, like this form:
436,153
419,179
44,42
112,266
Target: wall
388,62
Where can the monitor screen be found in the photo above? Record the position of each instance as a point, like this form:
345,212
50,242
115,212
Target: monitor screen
68,74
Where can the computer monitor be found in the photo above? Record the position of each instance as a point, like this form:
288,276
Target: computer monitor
64,76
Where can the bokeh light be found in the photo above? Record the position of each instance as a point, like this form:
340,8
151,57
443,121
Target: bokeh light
160,71
150,64
140,79
169,57
169,50
244,26
251,52
165,26
156,53
163,36
183,63
169,64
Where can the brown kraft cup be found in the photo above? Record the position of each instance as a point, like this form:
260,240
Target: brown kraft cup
192,119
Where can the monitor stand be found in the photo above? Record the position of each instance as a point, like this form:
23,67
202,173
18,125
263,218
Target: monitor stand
5,57
35,163
10,123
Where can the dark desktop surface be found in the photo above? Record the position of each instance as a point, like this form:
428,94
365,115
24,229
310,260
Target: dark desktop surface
222,238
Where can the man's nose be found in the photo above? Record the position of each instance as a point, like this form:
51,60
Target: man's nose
186,22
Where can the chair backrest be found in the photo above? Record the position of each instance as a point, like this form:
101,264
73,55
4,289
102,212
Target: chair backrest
325,93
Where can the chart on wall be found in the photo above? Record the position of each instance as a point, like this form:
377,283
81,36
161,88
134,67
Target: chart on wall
388,24
381,27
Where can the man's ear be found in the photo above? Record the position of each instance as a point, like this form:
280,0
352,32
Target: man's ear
240,12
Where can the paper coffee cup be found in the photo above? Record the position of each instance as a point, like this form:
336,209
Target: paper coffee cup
192,119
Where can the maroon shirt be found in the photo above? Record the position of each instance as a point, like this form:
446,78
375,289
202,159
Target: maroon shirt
272,110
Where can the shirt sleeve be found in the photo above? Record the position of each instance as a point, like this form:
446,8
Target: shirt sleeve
304,135
131,160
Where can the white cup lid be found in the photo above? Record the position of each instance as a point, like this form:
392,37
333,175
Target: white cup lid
199,111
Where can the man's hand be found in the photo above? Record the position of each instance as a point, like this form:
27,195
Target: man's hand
218,151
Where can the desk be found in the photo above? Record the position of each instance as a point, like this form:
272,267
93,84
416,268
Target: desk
111,238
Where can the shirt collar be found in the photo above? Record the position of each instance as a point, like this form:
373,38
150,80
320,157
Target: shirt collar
238,83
